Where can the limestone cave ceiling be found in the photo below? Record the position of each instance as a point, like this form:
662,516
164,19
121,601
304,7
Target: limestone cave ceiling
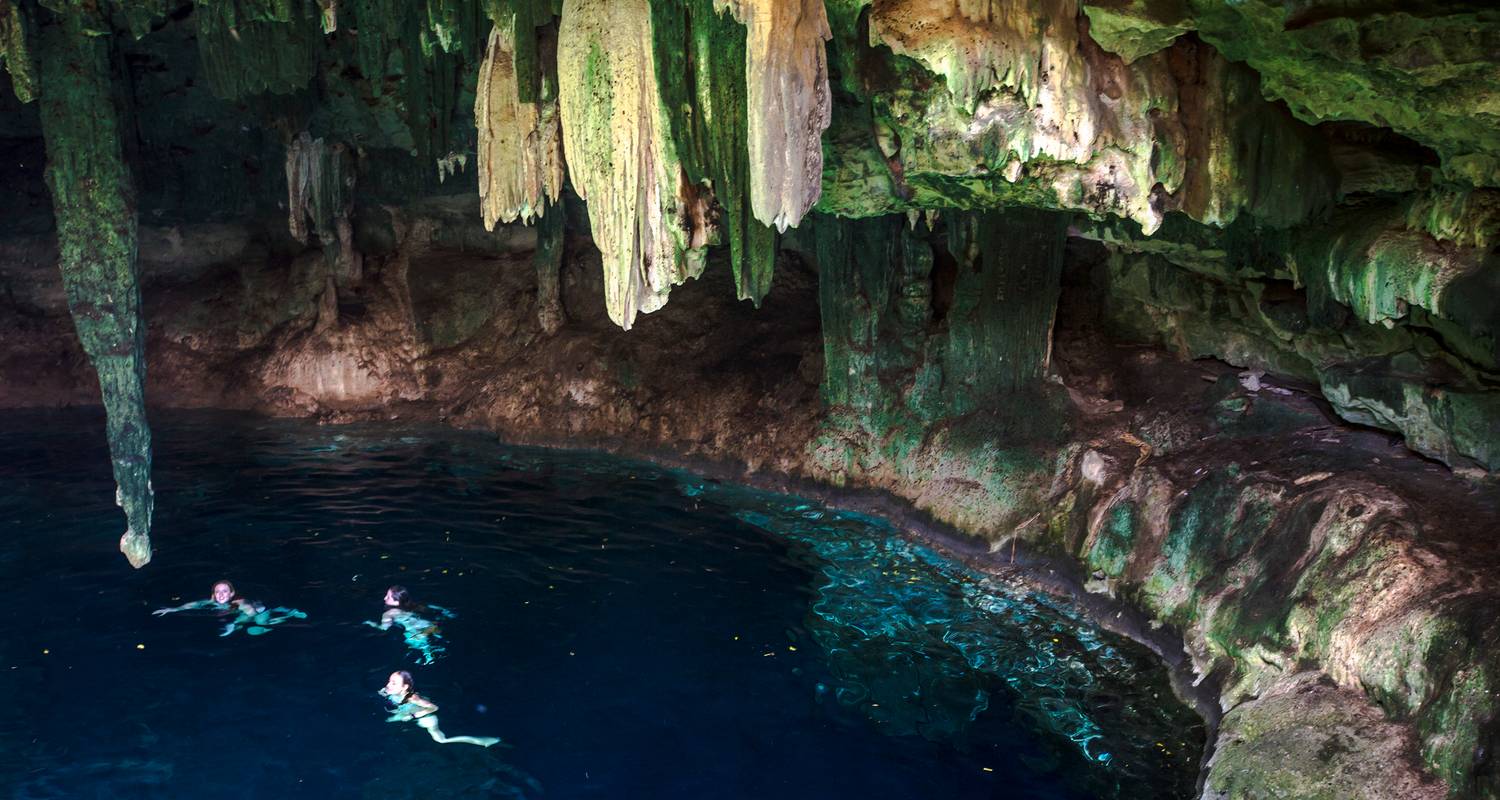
1223,152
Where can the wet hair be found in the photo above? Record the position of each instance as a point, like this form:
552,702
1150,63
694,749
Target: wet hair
402,596
411,687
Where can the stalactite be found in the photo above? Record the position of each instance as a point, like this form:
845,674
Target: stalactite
320,190
651,224
94,202
457,26
319,185
551,236
520,143
15,57
701,53
786,72
329,10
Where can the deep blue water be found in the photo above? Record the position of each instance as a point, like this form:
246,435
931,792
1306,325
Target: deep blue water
631,632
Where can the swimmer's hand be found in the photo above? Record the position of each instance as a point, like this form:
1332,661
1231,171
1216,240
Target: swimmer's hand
374,625
162,612
399,718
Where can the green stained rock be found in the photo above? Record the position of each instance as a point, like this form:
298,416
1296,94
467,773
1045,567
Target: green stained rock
1430,75
1459,214
1004,300
1135,28
1310,740
1112,545
15,56
396,43
94,202
249,47
700,68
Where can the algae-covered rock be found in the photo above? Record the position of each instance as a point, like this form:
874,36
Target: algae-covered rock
15,53
1307,739
94,202
1429,74
1135,28
650,224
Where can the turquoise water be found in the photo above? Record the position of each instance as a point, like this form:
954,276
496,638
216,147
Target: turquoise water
628,631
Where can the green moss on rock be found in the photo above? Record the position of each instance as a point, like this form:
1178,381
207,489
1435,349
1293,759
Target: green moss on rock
94,202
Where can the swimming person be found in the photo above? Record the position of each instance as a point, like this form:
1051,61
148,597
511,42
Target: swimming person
412,707
255,618
420,632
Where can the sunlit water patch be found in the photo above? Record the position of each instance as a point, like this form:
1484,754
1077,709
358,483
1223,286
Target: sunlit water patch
629,631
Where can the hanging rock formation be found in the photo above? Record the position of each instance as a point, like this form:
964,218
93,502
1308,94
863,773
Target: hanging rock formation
786,72
1302,195
650,223
1028,109
94,202
520,141
708,111
320,191
15,57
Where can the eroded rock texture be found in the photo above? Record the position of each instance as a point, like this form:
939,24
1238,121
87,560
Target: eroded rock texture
650,224
94,203
1306,193
786,71
1428,72
520,159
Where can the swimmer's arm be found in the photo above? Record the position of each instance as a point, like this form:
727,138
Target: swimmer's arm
425,707
189,606
385,621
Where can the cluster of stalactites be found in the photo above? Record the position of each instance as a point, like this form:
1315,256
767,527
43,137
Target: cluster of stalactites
1029,94
319,186
708,111
320,199
520,140
651,224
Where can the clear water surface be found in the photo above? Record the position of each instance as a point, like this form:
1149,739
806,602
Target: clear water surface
629,631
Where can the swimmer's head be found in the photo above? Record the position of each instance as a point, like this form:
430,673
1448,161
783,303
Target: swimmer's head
399,684
223,592
397,597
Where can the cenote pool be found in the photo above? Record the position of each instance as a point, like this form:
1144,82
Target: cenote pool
629,631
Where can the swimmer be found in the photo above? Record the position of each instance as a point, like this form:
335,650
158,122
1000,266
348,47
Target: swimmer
412,707
253,617
421,633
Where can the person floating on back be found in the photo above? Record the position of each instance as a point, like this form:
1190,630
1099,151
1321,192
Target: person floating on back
412,707
253,617
421,633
